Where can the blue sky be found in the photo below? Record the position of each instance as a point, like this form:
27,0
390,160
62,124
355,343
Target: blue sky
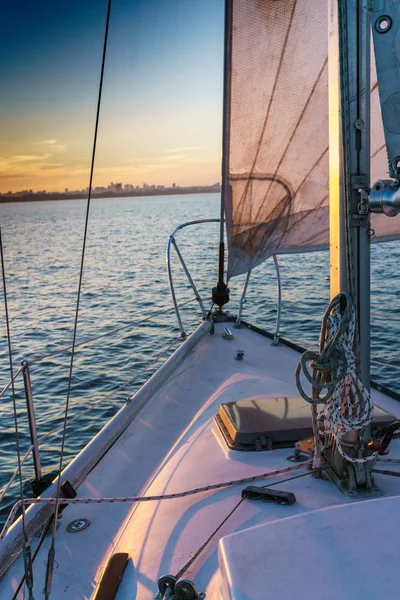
162,98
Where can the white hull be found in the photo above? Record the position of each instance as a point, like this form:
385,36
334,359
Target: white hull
173,445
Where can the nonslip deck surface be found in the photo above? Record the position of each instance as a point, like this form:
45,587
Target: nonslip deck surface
172,446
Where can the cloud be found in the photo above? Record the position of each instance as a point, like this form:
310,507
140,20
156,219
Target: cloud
24,165
51,145
183,149
23,158
173,157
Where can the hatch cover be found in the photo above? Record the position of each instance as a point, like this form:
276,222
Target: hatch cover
264,423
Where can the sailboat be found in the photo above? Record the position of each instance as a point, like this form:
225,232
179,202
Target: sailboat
252,469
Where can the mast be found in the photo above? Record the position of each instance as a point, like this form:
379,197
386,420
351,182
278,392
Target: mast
220,293
349,184
349,163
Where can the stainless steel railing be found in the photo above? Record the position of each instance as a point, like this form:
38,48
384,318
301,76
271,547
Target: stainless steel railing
172,242
34,448
243,299
32,421
24,368
25,371
279,300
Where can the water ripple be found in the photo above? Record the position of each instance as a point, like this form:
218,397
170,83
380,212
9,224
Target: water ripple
124,281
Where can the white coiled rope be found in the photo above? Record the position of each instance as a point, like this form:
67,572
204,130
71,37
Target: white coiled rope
347,401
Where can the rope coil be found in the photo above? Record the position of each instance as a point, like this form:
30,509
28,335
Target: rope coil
334,380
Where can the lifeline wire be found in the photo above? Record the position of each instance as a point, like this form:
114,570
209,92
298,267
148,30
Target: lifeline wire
118,389
51,554
132,499
27,549
87,410
12,379
13,476
198,552
101,335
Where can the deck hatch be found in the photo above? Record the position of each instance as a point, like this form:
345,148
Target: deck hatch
261,423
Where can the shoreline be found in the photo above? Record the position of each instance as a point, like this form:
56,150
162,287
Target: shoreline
109,195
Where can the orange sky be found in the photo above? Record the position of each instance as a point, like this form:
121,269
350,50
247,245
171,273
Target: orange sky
162,97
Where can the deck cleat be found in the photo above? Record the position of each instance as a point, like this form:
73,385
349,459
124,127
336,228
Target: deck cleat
253,492
228,335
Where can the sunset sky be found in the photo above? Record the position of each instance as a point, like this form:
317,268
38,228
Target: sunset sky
162,97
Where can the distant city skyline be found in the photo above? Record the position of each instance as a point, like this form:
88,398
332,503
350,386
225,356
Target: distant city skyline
162,97
115,188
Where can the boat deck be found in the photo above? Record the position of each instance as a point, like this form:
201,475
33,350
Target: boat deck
174,445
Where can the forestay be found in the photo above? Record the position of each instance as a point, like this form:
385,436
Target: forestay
277,200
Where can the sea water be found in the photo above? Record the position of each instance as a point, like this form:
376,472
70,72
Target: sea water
125,281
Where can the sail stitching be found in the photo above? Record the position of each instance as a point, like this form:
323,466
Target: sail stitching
299,120
264,127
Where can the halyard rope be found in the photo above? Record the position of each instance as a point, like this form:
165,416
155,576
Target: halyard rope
131,499
347,401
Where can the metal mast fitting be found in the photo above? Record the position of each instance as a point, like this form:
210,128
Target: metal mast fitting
385,20
384,196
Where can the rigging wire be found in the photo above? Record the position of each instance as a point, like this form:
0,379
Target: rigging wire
102,335
87,410
45,530
51,554
26,546
111,394
386,472
226,116
13,476
383,364
12,379
132,499
189,563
